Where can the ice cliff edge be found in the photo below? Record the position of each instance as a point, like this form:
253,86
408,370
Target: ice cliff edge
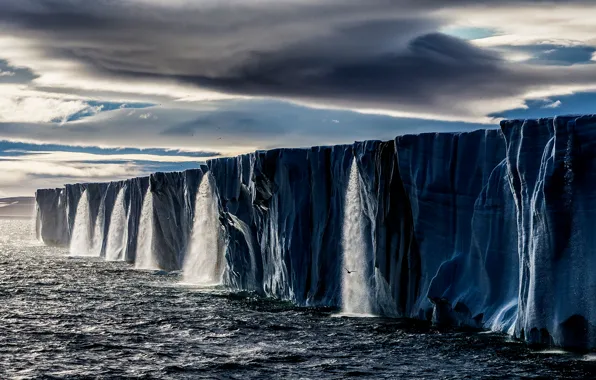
491,228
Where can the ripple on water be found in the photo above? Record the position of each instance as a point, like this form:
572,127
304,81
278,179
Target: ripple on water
69,317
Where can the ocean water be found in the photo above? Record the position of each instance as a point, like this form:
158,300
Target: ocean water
70,318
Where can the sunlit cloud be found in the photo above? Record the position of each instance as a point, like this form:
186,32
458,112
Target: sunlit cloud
554,104
38,109
64,157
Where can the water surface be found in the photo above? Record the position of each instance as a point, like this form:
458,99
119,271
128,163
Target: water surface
70,318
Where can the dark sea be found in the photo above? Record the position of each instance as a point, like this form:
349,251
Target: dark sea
77,318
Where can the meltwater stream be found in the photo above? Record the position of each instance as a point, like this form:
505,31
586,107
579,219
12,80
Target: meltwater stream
204,262
118,233
65,317
356,293
81,242
98,230
145,258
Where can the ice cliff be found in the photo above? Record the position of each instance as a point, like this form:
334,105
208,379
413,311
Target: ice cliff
490,228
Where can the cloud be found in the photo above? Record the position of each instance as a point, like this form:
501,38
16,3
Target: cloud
374,55
79,157
223,127
71,71
45,168
18,103
38,109
147,116
26,167
22,177
12,74
563,23
554,104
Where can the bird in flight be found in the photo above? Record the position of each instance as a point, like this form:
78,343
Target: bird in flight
350,271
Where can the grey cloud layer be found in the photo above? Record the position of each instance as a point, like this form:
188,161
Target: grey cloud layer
360,53
10,74
227,127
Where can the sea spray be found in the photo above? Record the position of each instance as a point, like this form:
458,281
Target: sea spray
118,232
80,243
145,258
355,288
204,263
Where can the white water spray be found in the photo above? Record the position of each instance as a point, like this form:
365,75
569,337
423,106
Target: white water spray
38,225
355,288
204,260
80,243
98,232
145,258
118,233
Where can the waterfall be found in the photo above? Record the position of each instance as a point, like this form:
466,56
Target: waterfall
204,262
118,232
145,258
98,232
80,244
355,289
38,224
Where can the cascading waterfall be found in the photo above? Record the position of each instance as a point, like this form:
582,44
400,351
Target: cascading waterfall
80,243
118,232
98,232
145,258
38,225
355,287
204,263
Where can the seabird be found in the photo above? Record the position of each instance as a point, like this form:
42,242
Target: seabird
349,271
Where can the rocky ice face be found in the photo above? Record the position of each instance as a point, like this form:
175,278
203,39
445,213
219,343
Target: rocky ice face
489,228
51,222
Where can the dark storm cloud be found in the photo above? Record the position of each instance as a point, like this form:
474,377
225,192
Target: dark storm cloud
356,53
430,68
10,74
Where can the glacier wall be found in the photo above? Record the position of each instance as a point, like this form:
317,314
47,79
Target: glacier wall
490,228
51,222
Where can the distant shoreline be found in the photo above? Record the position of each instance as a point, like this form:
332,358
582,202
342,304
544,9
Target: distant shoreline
20,208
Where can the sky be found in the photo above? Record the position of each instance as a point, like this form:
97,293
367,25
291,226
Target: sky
110,89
